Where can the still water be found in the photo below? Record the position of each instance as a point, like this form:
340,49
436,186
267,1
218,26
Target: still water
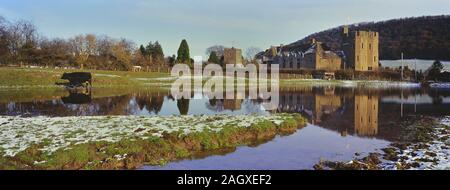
343,121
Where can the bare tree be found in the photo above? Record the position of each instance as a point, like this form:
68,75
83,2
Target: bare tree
104,46
21,39
91,44
80,50
3,41
122,51
20,43
251,52
216,48
54,52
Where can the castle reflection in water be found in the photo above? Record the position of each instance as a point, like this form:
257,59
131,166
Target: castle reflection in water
322,105
349,111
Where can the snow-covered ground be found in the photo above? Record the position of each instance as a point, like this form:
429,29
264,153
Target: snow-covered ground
54,133
354,83
387,84
106,75
157,79
434,155
440,85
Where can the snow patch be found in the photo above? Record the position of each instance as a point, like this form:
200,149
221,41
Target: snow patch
440,85
55,133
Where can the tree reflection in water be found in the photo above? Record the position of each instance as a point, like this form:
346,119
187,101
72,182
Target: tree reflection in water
364,112
183,106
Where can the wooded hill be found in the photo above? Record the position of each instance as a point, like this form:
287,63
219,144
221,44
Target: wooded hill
426,37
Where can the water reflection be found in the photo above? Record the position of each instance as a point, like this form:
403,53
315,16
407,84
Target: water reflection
327,108
183,106
362,112
366,115
150,102
228,104
77,98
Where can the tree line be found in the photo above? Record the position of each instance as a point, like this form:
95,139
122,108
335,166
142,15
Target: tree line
22,45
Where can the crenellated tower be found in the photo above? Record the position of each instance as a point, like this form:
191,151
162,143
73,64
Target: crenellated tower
361,49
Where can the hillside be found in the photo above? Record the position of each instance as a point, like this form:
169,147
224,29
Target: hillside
425,37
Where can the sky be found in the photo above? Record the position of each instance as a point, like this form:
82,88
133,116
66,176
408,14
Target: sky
203,23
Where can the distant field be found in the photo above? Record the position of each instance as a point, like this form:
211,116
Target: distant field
26,77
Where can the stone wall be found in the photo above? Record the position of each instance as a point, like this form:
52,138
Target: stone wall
316,60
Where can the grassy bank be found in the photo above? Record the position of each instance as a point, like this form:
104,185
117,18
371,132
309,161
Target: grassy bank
24,77
128,142
46,78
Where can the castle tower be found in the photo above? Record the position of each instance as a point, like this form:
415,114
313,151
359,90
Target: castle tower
232,56
346,31
361,50
273,51
366,115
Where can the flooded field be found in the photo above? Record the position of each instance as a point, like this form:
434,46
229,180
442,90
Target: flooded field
343,121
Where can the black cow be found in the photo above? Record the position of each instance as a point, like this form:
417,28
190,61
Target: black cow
77,79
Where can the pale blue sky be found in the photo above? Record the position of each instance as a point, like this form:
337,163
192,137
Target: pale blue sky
203,23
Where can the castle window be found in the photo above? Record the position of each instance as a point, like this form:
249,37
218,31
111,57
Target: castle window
357,58
370,46
362,45
369,68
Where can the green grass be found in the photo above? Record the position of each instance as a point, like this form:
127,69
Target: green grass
24,77
23,85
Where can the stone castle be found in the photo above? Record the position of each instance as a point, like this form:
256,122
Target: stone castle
314,58
232,56
359,52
